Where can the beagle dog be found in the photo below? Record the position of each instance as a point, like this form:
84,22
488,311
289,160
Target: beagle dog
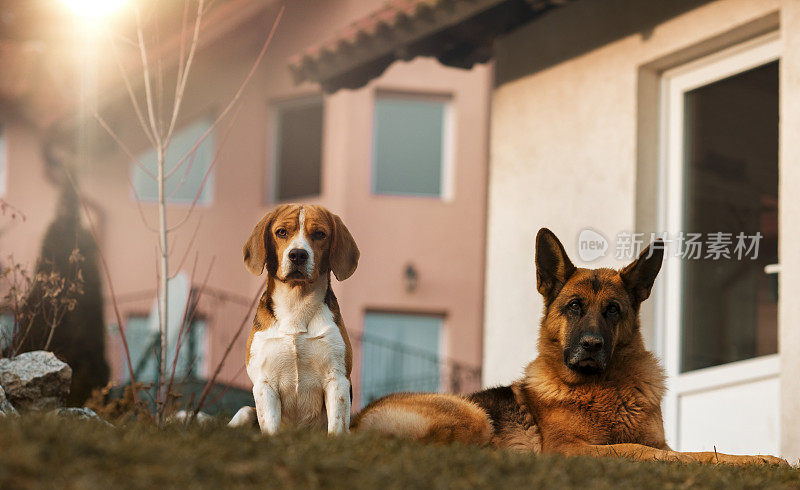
298,354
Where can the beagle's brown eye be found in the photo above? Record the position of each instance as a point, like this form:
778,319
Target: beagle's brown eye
318,235
280,232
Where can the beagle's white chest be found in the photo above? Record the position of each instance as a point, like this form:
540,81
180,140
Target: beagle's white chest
297,364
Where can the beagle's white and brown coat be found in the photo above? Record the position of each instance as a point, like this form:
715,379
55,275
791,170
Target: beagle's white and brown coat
298,354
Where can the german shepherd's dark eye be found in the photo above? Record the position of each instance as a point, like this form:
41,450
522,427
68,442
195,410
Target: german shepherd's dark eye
612,309
574,307
280,232
318,235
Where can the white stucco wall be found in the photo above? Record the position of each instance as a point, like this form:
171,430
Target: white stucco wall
574,144
565,142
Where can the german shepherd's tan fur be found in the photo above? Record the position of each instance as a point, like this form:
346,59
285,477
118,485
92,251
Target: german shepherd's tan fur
593,389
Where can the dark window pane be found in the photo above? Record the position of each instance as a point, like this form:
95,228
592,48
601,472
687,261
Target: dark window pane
299,150
731,186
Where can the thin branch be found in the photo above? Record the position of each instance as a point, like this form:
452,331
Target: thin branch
108,281
185,321
122,145
188,248
188,372
216,293
129,88
227,386
24,337
180,332
138,200
160,92
207,174
161,354
182,50
136,161
238,93
185,176
159,79
213,378
183,75
15,211
146,74
125,40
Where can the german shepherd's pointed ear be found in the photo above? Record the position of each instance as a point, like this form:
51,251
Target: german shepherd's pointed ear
639,276
255,250
344,253
553,267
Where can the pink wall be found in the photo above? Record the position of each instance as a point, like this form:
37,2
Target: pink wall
443,239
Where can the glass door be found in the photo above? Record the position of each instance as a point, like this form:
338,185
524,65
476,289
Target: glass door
719,209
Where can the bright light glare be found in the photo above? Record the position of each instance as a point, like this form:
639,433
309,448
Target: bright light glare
94,9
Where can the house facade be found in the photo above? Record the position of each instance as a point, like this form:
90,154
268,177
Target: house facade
402,161
617,122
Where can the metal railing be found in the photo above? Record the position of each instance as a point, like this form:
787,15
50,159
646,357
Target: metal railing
389,367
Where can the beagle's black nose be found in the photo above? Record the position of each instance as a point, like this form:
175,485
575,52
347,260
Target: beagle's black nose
298,256
591,342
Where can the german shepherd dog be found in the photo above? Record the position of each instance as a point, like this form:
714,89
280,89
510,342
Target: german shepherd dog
593,389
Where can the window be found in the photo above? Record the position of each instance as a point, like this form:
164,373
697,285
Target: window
399,353
184,184
191,358
298,149
143,338
3,162
409,146
143,347
731,185
143,344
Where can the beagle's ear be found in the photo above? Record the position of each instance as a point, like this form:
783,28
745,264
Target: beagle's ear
553,267
639,276
255,250
344,253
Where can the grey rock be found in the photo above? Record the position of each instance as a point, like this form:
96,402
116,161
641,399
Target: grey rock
6,408
79,413
35,381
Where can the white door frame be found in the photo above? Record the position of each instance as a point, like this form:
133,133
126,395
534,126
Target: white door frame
674,84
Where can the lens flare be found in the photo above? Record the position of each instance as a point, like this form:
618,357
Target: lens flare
94,9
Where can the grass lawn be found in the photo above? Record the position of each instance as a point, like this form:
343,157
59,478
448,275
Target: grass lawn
48,453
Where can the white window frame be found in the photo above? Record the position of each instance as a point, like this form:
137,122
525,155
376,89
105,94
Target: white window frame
274,145
447,187
674,85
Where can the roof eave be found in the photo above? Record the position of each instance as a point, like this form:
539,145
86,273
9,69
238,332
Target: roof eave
353,64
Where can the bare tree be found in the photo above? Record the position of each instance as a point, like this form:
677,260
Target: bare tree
159,133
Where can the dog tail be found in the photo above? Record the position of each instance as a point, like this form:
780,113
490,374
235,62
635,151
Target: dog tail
426,417
245,417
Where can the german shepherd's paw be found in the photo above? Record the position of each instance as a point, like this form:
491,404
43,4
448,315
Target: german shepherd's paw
721,458
766,459
673,456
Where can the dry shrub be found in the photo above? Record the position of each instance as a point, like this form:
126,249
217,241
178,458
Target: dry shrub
124,410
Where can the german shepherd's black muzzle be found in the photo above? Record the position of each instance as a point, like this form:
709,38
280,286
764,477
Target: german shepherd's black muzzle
588,352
